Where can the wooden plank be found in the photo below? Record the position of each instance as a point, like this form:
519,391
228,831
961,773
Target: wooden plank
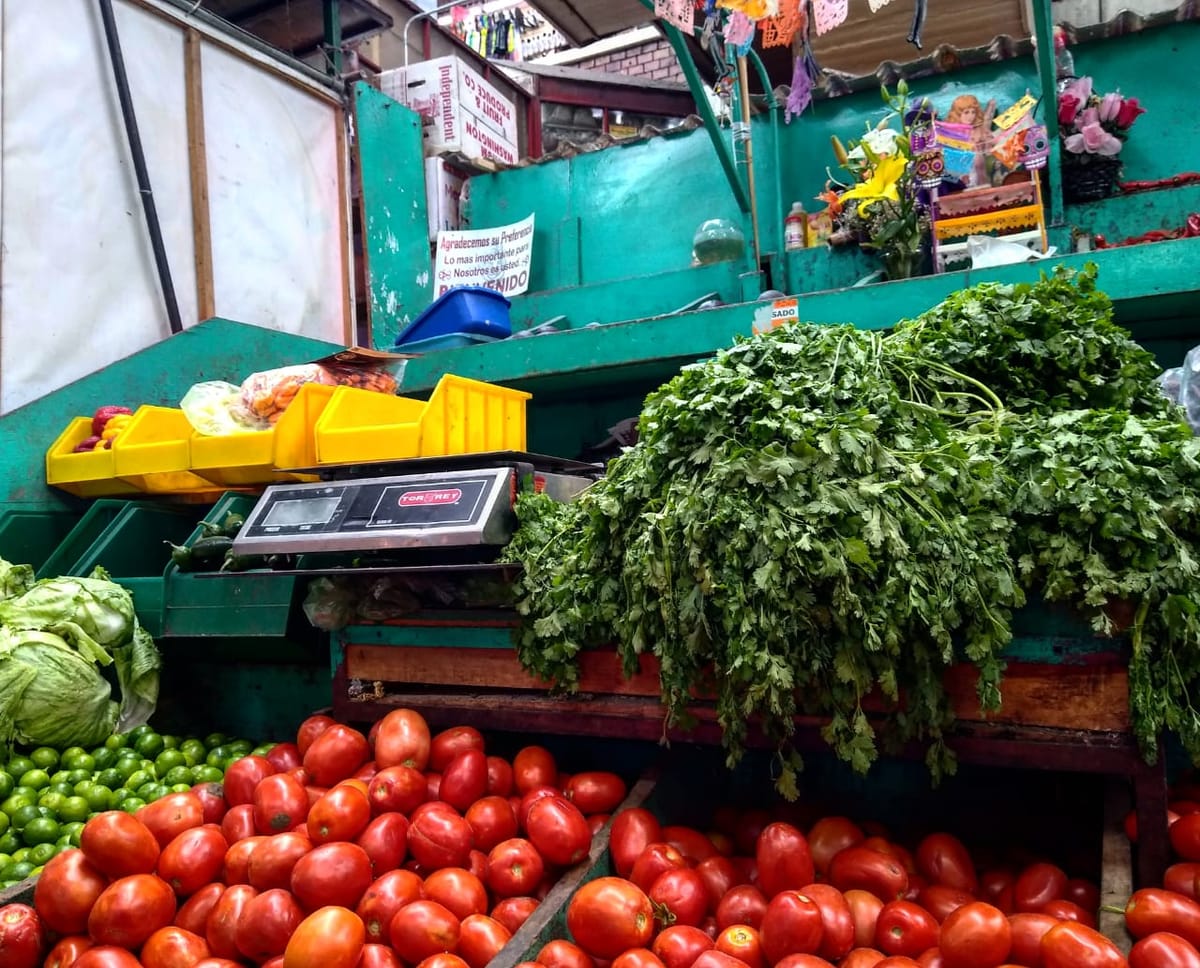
1116,872
1090,697
193,80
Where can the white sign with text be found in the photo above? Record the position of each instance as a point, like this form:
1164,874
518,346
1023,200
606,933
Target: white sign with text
496,258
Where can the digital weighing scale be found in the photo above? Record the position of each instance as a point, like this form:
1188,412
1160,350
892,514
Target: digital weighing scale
431,503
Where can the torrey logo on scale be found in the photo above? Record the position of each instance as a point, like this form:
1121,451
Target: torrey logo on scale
426,499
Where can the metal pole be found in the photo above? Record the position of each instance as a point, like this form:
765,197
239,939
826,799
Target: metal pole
422,16
744,87
332,12
139,166
1043,25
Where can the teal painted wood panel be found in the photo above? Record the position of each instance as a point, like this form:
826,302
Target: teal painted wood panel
217,349
395,222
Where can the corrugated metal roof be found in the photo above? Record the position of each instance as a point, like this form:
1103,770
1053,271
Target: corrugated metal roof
298,26
586,21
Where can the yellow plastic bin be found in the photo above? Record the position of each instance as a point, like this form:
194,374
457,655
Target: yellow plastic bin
89,474
154,453
260,457
462,417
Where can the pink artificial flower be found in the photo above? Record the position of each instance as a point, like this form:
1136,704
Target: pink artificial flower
1089,116
1068,107
1080,89
1110,106
1130,112
1074,144
1097,141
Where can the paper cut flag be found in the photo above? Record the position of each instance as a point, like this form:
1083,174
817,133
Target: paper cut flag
676,12
830,14
877,5
779,31
739,32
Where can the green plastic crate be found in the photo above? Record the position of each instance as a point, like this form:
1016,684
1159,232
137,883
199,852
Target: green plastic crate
244,604
132,549
30,537
74,545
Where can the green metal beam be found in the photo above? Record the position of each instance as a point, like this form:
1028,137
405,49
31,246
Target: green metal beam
1043,25
333,35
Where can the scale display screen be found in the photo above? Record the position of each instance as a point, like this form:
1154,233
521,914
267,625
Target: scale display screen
301,513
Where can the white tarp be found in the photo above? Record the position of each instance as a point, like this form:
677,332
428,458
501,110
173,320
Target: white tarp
78,287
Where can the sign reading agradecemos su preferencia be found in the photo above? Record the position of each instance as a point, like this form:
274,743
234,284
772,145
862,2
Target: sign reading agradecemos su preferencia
497,258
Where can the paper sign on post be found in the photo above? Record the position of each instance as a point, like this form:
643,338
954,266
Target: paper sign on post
496,258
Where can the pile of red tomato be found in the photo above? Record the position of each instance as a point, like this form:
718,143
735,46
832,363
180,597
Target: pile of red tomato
339,851
760,894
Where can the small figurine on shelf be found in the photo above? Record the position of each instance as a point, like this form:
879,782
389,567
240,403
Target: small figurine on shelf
968,112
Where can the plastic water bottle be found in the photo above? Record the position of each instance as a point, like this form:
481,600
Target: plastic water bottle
795,228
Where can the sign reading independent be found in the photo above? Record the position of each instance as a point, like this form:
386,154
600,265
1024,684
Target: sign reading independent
496,258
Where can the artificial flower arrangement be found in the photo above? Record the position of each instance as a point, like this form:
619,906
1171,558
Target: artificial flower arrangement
881,208
1093,128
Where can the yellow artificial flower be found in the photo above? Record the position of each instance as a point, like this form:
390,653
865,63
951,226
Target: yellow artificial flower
881,185
754,9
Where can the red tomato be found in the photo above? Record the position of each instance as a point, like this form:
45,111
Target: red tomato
1038,884
977,935
284,756
1181,878
862,958
529,799
916,884
449,743
173,947
885,846
422,929
1084,893
107,956
534,767
515,868
340,815
994,882
171,815
720,876
492,821
439,837
563,954
459,891
67,951
1185,836
804,961
243,776
335,755
237,860
942,901
642,958
694,845
378,956
1163,950
898,961
609,915
933,959
22,937
130,910
865,869
1027,933
402,740
193,859
655,861
238,823
443,960
193,913
784,860
680,945
944,860
513,912
904,928
559,831
680,896
221,929
212,800
329,938
744,904
480,939
387,895
433,786
266,924
1063,910
631,833
1072,945
66,891
500,777
398,788
742,942
280,803
829,836
386,842
717,959
272,862
464,780
332,875
595,791
367,772
309,730
791,926
118,844
837,923
1151,910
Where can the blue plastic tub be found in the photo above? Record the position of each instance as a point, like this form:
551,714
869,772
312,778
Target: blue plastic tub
469,310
